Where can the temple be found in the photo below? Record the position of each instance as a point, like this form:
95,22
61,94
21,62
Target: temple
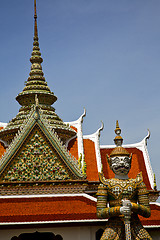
49,169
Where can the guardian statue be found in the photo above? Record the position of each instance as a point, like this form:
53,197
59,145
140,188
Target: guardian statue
122,199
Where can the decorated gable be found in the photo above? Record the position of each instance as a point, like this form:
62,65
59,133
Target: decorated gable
37,154
36,160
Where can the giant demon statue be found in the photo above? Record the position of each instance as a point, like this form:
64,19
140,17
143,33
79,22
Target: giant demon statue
121,199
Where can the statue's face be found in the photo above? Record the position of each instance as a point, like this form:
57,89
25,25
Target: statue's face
120,165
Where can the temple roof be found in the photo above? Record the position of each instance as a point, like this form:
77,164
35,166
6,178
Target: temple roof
140,158
38,150
90,157
69,208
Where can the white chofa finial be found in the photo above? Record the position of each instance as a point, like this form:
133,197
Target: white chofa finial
83,115
148,136
101,128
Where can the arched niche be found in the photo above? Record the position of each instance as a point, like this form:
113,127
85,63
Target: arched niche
38,236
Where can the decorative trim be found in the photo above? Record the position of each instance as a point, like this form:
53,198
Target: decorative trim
3,142
151,226
95,138
78,124
67,221
3,124
61,222
155,203
52,196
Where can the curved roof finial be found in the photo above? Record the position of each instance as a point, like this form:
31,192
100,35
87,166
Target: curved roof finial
102,126
35,20
148,136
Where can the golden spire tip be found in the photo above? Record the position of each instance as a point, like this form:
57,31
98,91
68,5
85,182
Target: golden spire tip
35,10
117,124
35,20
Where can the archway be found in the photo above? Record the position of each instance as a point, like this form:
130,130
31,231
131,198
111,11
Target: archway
38,236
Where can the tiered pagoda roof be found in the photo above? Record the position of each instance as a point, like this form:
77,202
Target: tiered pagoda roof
36,85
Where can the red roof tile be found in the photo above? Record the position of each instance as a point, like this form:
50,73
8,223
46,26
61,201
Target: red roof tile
73,147
137,166
90,158
2,149
60,208
155,216
46,209
74,128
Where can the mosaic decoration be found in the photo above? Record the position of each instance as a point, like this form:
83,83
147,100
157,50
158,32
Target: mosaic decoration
36,162
38,154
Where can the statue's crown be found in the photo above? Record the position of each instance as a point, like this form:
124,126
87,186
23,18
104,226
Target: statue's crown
118,150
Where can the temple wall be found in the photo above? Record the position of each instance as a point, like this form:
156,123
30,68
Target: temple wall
154,233
67,233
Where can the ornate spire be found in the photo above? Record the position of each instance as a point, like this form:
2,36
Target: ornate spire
36,85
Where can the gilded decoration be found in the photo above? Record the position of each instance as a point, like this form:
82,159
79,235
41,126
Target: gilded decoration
36,161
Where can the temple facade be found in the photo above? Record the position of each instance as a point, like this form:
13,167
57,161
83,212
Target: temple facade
49,169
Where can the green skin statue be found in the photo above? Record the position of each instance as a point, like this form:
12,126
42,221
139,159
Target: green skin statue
120,197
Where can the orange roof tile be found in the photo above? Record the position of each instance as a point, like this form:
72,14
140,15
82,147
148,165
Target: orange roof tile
2,149
46,209
137,166
60,208
74,128
90,158
155,216
138,163
73,147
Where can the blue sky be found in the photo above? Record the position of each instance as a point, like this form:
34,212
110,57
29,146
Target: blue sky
102,55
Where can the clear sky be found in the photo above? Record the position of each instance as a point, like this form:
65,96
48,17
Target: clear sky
103,55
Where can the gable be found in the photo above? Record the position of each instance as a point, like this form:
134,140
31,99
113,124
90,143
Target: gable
36,160
37,154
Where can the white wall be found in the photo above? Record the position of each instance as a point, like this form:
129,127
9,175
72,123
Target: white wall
68,233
